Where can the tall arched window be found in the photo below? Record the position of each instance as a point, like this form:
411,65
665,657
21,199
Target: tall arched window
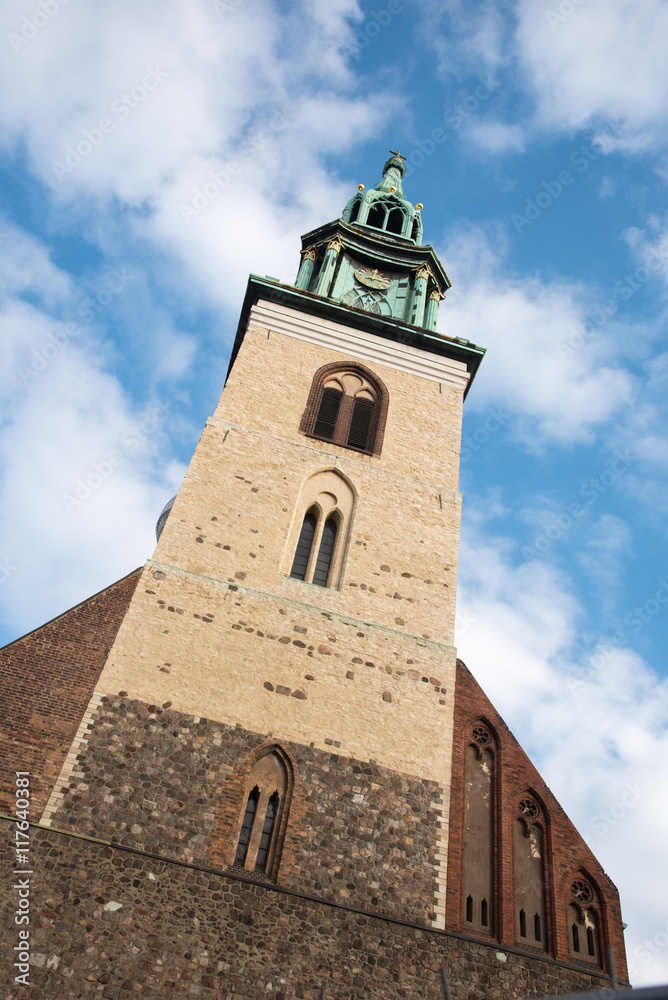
478,831
266,803
303,566
529,867
583,924
317,543
347,406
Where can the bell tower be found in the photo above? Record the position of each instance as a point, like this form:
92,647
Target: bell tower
302,591
279,740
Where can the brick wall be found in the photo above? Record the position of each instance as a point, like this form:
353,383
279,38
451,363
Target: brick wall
566,851
48,677
173,784
109,924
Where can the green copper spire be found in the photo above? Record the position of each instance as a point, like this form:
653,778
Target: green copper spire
373,259
385,207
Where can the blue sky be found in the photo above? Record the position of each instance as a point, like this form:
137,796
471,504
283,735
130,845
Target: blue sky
149,163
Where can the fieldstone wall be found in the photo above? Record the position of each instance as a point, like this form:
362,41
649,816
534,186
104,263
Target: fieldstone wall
108,923
169,783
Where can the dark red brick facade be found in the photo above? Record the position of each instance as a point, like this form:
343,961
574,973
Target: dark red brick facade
567,854
48,677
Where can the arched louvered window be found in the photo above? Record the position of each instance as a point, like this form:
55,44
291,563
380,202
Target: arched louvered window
304,545
360,422
328,411
347,406
263,823
325,552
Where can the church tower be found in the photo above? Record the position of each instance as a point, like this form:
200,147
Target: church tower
281,709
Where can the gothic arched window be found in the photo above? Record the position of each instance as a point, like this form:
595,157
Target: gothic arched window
318,540
347,406
583,923
303,564
266,804
529,868
478,830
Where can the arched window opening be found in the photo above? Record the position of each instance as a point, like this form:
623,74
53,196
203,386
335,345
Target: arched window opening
267,830
583,923
324,561
377,216
529,862
265,816
395,222
355,211
478,832
316,546
416,229
328,411
304,546
347,406
247,827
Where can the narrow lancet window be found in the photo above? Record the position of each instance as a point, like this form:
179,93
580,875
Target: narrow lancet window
324,561
267,830
262,825
304,544
247,827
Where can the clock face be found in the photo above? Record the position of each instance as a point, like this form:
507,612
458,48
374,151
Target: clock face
373,278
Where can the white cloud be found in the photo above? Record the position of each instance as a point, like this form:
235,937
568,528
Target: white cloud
601,58
595,727
522,322
84,471
142,110
496,137
608,544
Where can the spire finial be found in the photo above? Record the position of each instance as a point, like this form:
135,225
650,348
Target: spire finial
398,154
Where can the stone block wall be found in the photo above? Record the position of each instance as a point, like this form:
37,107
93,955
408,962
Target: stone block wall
158,780
109,924
48,677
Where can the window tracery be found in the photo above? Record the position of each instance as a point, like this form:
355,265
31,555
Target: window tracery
266,805
317,543
347,406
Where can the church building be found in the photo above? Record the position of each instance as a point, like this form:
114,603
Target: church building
257,768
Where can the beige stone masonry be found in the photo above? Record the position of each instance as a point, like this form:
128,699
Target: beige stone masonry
218,628
234,519
234,655
69,769
441,870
